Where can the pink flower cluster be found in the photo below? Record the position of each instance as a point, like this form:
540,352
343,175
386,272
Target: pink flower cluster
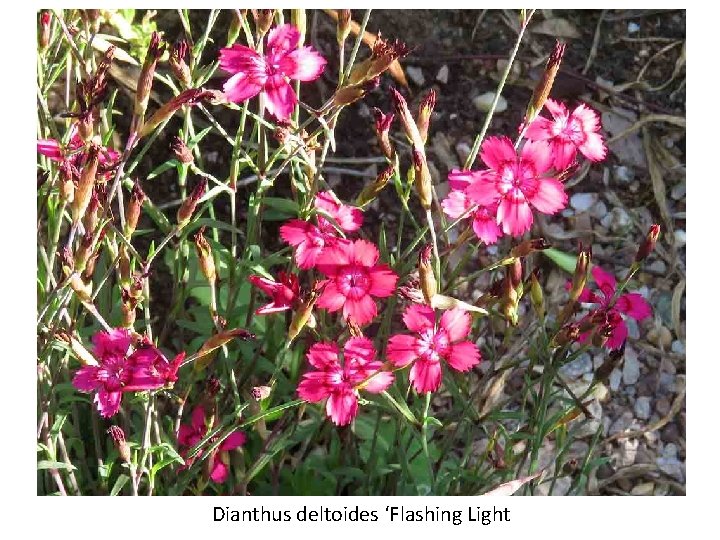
124,367
71,157
501,199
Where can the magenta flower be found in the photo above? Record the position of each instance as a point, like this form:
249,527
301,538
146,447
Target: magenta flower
269,74
72,155
569,132
284,292
457,203
190,435
354,279
339,382
123,368
431,343
515,183
629,304
348,218
309,241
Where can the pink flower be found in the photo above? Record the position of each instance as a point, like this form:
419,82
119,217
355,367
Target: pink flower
309,241
122,368
515,183
348,218
190,435
72,155
629,304
269,74
339,382
431,343
569,132
457,203
284,292
354,279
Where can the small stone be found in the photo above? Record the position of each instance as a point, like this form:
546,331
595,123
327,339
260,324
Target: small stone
462,149
667,383
617,220
662,406
642,408
670,450
416,75
599,210
622,423
671,434
631,367
583,201
484,102
601,392
680,238
615,378
443,74
588,428
657,267
624,174
660,336
628,451
671,466
678,191
633,329
678,347
633,27
644,489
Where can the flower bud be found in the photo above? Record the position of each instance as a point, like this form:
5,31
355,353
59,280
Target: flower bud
544,86
204,252
566,335
384,53
440,301
142,95
648,245
515,272
343,25
350,94
124,267
428,284
536,294
177,63
67,187
207,352
581,271
84,190
407,121
181,151
526,247
118,437
411,291
134,207
602,334
187,207
188,97
263,20
427,105
90,219
372,190
77,348
304,312
423,182
383,122
260,393
127,308
82,253
44,40
298,18
82,289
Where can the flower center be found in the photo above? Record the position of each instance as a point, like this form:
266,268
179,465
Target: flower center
354,282
432,346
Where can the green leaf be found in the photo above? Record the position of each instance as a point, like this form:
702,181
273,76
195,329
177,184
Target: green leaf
157,171
564,260
193,142
119,484
47,464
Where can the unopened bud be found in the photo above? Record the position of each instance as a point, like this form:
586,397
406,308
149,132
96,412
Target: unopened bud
428,284
118,437
423,182
536,295
581,272
84,190
78,349
343,25
515,273
304,312
67,188
406,119
124,267
204,252
263,20
544,86
82,289
602,334
44,40
567,334
82,253
187,208
427,105
134,207
142,95
178,65
372,190
90,219
127,308
181,151
188,97
350,94
260,393
383,122
526,247
384,53
648,245
441,301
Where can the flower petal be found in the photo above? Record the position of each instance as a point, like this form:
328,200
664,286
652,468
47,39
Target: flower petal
426,376
331,298
283,38
323,355
108,403
456,322
313,387
379,382
463,356
233,441
497,150
219,471
459,179
538,154
401,349
198,419
382,281
516,217
419,317
557,109
594,147
634,305
486,228
364,253
605,281
86,379
563,153
240,87
361,311
618,336
484,192
342,407
456,204
550,196
540,129
281,98
304,64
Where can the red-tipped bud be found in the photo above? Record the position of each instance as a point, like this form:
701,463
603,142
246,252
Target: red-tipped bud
371,191
204,252
515,273
384,53
134,207
526,247
428,284
648,245
343,25
118,437
567,334
177,63
188,97
182,153
263,20
427,105
544,86
536,294
142,96
406,119
187,208
423,181
383,122
581,272
44,39
84,190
